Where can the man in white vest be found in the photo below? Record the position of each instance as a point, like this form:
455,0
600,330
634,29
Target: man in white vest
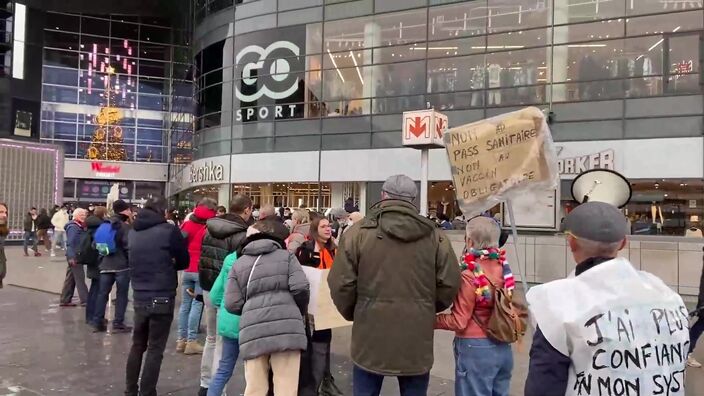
609,329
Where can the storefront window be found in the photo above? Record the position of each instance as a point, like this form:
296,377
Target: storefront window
666,206
292,195
570,11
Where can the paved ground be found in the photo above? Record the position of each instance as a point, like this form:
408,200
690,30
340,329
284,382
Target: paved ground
47,350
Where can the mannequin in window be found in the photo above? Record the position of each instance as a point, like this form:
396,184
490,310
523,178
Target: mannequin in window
494,72
478,84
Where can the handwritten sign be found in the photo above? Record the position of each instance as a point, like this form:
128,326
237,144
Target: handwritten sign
494,159
320,306
636,351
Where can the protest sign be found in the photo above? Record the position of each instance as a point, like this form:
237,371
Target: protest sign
499,158
321,307
625,331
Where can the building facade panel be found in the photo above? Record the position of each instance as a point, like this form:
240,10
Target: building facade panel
621,81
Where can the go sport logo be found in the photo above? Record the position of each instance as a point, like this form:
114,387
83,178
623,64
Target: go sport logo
268,73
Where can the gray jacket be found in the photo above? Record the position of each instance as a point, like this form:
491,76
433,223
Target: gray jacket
271,309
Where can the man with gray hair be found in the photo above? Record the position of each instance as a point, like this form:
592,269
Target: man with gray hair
394,270
75,275
605,310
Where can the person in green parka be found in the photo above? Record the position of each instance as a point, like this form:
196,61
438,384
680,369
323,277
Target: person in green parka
228,329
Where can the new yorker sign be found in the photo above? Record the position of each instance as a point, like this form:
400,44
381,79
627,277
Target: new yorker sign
581,163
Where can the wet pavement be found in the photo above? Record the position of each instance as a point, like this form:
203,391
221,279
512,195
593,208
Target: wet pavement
46,350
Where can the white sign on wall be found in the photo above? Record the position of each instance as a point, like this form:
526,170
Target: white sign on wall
423,128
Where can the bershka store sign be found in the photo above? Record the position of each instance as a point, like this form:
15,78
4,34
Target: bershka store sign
104,170
208,172
271,80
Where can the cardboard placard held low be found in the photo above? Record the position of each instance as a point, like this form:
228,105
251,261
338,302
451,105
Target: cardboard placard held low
321,307
498,158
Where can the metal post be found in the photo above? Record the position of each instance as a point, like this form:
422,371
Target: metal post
424,182
514,231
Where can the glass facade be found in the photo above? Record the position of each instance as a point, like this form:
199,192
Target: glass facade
340,83
116,88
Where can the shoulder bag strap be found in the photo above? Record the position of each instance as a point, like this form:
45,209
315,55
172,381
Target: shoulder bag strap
249,279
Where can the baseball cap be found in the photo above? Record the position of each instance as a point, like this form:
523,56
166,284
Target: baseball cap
119,206
400,186
597,221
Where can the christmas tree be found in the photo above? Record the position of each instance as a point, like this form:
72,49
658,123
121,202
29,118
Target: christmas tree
107,139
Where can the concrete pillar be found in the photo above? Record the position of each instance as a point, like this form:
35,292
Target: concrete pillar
372,38
557,64
363,197
224,195
228,88
337,195
266,191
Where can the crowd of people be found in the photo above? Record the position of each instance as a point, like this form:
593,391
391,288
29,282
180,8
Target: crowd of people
392,273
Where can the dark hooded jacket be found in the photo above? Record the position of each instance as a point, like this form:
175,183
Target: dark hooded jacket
156,252
393,271
117,261
92,224
224,235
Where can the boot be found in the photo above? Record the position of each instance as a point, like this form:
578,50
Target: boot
180,345
193,348
692,362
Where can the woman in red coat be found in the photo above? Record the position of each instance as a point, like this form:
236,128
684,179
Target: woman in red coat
191,309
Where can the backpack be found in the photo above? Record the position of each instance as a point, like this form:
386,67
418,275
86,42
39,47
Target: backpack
105,239
507,322
86,253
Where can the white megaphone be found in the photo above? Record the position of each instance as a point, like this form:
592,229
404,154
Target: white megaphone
602,185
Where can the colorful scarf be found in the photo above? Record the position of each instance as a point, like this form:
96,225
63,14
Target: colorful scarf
483,287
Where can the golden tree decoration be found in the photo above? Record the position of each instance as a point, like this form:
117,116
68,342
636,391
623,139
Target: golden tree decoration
107,141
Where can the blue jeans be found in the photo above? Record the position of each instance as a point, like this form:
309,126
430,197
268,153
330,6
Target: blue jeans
482,367
107,279
30,236
230,352
92,300
369,384
189,313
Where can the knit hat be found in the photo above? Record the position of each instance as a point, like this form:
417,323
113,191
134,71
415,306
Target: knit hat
120,206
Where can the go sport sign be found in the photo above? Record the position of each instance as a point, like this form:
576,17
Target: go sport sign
271,76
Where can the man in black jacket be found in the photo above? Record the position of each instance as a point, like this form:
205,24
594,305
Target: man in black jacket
157,251
30,231
114,269
224,235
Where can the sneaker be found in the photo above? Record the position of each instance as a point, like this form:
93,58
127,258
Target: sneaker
68,304
180,345
101,328
193,348
121,328
692,362
53,254
37,254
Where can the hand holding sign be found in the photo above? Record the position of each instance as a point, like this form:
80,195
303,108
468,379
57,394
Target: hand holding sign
495,159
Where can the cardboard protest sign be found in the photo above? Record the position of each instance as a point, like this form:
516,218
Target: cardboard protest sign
495,159
321,307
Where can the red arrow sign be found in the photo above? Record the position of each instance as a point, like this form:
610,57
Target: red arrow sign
417,128
439,126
